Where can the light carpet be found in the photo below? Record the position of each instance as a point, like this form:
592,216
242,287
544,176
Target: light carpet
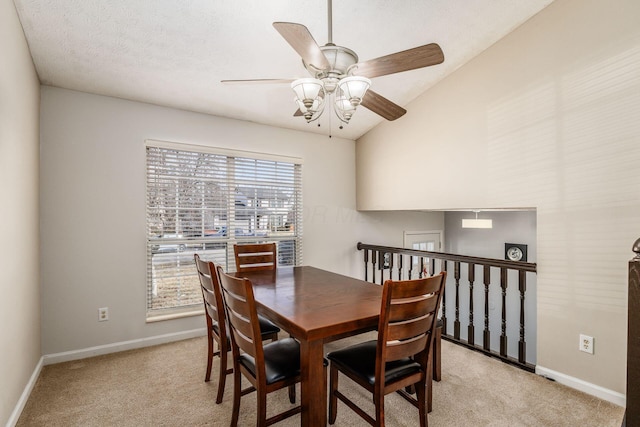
164,386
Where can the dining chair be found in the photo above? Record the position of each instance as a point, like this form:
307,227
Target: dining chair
217,324
255,257
268,367
258,257
400,357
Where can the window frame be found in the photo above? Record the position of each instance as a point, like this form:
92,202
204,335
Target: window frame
276,184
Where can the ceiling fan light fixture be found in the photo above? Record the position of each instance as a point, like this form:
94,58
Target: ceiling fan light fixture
314,111
354,88
308,91
344,109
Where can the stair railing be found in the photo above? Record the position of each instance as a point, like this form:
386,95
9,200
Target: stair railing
385,262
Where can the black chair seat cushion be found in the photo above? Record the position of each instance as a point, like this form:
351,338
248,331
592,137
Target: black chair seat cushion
216,329
266,327
281,359
360,360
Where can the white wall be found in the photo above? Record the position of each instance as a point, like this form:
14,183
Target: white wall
19,260
93,209
546,118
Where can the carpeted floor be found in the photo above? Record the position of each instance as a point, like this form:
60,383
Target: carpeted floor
164,386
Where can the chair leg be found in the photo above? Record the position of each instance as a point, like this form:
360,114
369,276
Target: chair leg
292,393
237,391
429,385
207,376
437,350
261,412
324,377
379,403
333,399
420,395
222,378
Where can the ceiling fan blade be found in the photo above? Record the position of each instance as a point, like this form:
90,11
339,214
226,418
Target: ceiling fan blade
301,40
298,113
418,57
257,81
382,106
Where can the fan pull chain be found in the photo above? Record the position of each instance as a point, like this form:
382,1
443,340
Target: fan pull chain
330,124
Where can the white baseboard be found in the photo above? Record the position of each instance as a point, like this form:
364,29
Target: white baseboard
581,385
83,353
67,356
17,411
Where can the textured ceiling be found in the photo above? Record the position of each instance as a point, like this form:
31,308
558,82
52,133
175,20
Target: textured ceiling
175,52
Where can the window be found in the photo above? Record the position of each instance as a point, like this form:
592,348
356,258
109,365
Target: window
204,201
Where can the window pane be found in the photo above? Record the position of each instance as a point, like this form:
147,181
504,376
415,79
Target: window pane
193,201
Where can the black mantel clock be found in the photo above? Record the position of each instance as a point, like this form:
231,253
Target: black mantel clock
515,252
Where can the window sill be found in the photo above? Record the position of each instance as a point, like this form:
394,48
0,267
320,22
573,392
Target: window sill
174,314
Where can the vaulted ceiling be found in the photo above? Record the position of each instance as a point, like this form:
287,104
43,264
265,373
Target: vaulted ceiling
175,52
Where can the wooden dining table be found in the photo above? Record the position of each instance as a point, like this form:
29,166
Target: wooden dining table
315,306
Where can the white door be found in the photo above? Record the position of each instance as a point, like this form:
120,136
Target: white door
422,241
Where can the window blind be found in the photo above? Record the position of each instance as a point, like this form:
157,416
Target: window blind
205,202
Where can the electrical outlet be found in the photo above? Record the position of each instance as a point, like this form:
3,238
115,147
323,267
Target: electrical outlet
103,314
586,343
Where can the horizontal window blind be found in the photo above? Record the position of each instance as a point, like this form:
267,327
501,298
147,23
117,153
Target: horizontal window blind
203,202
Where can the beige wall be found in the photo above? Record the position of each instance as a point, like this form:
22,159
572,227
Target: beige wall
19,260
93,209
546,118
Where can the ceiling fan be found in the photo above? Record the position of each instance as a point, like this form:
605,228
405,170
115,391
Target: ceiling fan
336,72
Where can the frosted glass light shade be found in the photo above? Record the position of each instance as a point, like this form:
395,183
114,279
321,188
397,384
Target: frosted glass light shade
344,109
307,90
354,88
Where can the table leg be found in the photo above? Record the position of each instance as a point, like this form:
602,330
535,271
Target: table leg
313,384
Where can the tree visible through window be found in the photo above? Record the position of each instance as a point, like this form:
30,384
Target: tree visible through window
205,202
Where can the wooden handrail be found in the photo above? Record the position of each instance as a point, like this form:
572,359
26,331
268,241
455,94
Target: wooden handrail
493,262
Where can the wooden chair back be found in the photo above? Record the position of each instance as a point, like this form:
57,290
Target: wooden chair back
216,321
211,295
254,257
243,318
408,319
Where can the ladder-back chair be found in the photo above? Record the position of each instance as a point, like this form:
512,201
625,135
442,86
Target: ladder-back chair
255,257
268,368
400,356
217,325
